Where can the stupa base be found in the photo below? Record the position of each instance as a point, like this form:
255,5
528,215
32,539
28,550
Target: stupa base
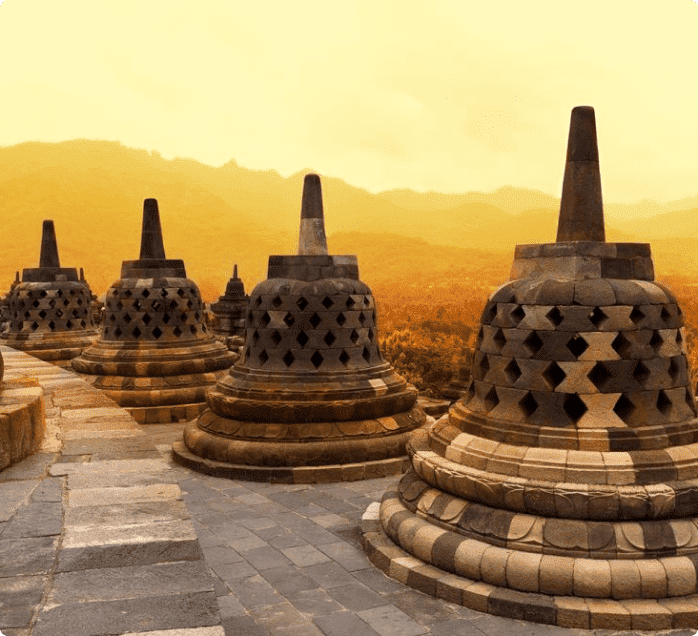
676,612
291,474
166,414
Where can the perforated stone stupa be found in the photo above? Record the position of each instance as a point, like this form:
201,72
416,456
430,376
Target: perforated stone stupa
311,398
229,310
155,356
563,488
48,311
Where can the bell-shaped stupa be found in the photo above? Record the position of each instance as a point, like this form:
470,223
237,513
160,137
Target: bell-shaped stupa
48,311
229,310
311,398
155,356
563,487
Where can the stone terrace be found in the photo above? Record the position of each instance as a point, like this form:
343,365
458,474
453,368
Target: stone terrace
102,534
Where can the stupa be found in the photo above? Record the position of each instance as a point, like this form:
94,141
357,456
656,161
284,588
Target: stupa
155,356
563,488
229,310
49,309
311,398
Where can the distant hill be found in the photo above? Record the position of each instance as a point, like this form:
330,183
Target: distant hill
213,217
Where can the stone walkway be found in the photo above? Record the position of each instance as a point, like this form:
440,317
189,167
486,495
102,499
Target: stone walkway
98,536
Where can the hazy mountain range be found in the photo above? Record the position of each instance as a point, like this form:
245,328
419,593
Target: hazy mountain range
214,217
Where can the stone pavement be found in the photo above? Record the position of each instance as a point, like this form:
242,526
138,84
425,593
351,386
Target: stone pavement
98,536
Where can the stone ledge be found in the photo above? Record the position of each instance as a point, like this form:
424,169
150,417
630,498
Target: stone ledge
291,475
22,420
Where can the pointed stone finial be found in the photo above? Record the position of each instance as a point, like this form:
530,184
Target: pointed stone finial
581,207
152,246
312,241
17,277
235,272
82,274
49,246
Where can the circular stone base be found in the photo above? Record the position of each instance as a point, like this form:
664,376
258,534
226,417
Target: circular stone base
291,475
166,414
679,612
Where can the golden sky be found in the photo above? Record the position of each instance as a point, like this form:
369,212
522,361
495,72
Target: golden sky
432,95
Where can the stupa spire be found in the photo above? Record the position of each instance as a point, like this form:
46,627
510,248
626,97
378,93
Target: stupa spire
581,207
49,246
152,246
235,271
312,241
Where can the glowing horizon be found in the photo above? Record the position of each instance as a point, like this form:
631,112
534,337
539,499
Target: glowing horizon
448,99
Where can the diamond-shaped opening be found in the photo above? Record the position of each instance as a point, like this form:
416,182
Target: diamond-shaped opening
177,332
302,303
599,375
621,345
665,315
157,332
491,399
499,339
344,358
641,373
137,304
288,358
289,319
69,323
577,345
673,370
471,390
145,293
329,338
117,332
180,292
127,293
528,404
277,302
66,302
43,293
656,341
258,302
555,316
367,301
34,326
302,339
163,292
173,305
183,317
315,320
52,303
197,316
42,314
480,335
79,301
624,408
533,343
370,335
265,319
190,304
362,318
276,338
137,332
327,302
119,306
517,314
82,323
341,319
74,313
166,318
127,318
59,313
35,304
484,366
350,302
112,317
263,356
366,355
574,407
663,403
27,314
636,315
554,374
354,336
512,371
316,359
52,325
679,337
255,336
597,317
490,313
